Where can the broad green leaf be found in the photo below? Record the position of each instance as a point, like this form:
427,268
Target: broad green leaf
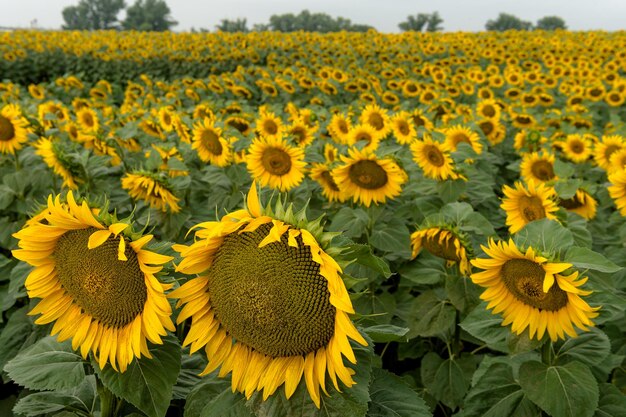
188,378
383,333
147,383
82,399
426,269
546,235
590,348
446,379
496,394
362,254
207,389
352,222
47,365
392,236
351,402
578,226
612,402
522,343
584,258
392,397
432,316
18,333
567,188
565,391
450,190
227,404
563,169
484,325
462,292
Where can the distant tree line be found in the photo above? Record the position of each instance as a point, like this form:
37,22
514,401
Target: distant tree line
154,15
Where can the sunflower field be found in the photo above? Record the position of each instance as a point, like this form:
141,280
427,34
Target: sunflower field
349,224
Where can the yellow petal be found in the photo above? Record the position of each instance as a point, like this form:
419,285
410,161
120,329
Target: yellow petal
98,238
253,203
117,228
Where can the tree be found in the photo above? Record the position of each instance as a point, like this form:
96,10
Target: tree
93,15
239,25
507,21
431,22
149,15
313,22
551,23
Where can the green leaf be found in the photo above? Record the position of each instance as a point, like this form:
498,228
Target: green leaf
498,394
207,389
391,237
384,333
427,269
147,383
567,188
16,335
549,236
464,216
463,294
47,365
578,226
612,401
584,258
392,397
521,343
590,348
350,402
484,325
563,169
450,190
362,254
81,398
188,378
445,379
352,222
432,316
227,404
564,391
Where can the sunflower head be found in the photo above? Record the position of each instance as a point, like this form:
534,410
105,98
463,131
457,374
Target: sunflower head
444,242
532,292
269,305
525,204
14,129
538,167
94,280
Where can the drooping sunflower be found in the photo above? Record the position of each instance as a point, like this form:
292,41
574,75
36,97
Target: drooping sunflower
524,205
152,189
211,146
461,134
538,167
532,292
96,282
56,160
443,242
269,306
365,178
604,149
617,190
434,159
581,203
14,129
276,164
576,148
321,173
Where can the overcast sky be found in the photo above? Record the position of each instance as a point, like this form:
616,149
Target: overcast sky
384,15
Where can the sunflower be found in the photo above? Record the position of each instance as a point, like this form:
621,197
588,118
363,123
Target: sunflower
538,167
605,148
37,92
403,129
152,189
276,164
88,120
301,133
330,153
444,243
532,292
51,112
366,135
524,205
95,282
488,109
14,129
323,176
55,160
239,123
617,190
581,203
210,144
166,119
576,148
434,159
339,128
270,306
268,125
366,178
377,118
460,134
420,120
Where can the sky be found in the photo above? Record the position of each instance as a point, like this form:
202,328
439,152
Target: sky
384,15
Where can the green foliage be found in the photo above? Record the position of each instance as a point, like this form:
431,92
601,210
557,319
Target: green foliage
551,23
93,15
506,21
238,25
148,15
429,22
313,22
391,396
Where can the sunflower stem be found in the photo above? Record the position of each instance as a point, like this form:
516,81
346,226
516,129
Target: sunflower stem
108,401
547,354
17,161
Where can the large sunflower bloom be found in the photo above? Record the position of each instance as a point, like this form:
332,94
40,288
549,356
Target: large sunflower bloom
13,129
605,148
532,292
366,178
276,164
269,306
94,282
537,167
434,159
524,205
